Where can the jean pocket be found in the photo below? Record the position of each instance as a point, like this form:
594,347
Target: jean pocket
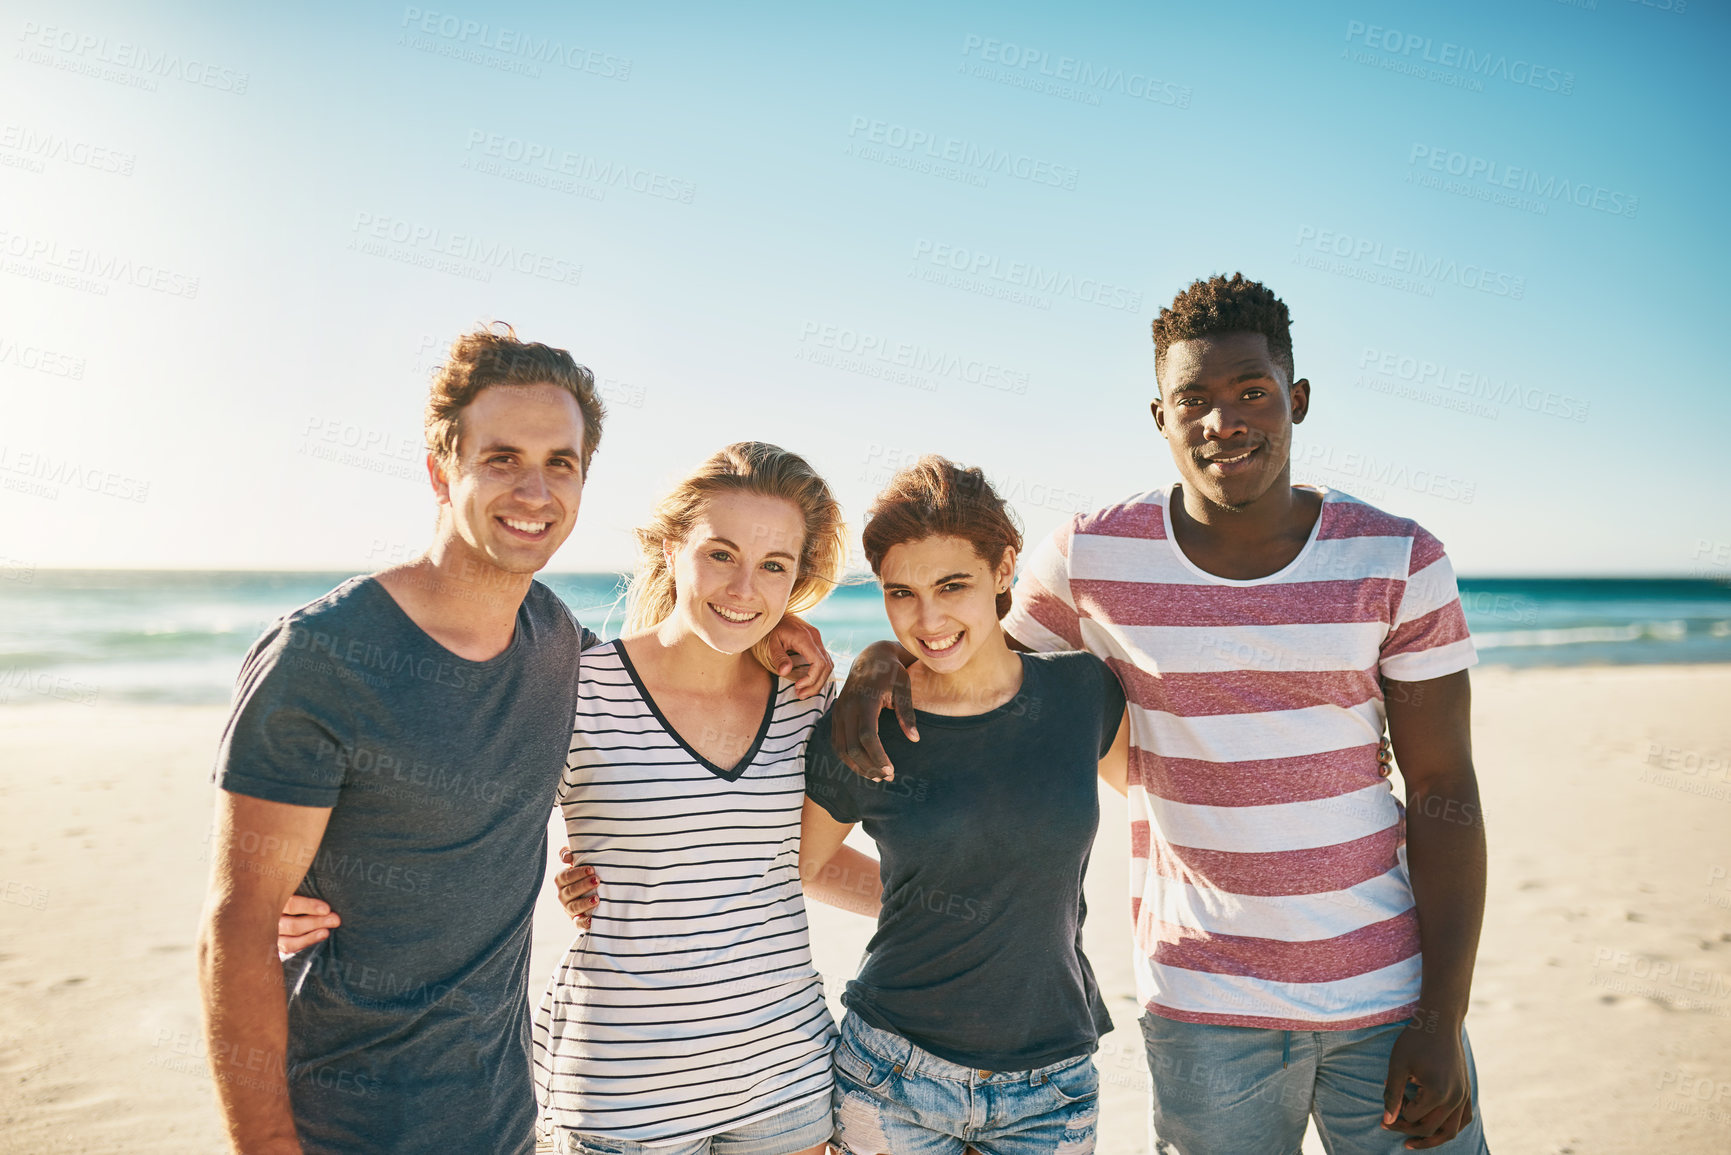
1077,1082
573,1143
860,1065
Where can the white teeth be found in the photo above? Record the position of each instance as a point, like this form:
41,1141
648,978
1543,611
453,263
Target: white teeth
940,647
526,526
731,615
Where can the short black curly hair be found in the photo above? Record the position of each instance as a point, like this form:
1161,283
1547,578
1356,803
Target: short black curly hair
1226,305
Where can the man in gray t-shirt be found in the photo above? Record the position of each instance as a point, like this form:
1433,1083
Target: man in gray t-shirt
393,750
406,1030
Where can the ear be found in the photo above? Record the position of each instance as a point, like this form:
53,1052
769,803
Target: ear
1300,393
439,478
1159,414
1005,572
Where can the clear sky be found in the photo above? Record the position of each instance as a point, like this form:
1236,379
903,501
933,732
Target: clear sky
234,240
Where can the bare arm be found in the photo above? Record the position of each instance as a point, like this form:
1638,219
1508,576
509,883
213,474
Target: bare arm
831,872
1115,766
261,851
1430,725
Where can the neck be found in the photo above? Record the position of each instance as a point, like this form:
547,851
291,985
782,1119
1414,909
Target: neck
462,601
989,679
685,661
1270,515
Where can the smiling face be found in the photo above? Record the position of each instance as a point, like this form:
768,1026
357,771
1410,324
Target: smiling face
512,492
1227,412
735,570
941,598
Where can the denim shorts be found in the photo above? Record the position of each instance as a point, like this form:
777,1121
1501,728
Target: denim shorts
892,1097
1226,1090
801,1126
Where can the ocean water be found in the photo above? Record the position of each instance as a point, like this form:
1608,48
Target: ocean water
149,636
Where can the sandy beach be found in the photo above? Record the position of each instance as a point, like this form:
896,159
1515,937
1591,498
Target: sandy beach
1601,1015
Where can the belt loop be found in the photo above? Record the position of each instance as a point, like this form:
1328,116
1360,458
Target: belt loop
1286,1050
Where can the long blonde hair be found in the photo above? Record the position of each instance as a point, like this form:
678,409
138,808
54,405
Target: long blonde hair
744,467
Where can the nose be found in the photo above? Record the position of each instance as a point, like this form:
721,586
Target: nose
531,487
930,618
739,585
1223,422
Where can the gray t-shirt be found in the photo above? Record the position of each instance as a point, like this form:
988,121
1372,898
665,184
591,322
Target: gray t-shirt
984,836
409,1026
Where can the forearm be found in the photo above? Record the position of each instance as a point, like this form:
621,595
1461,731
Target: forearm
1446,861
246,1031
849,880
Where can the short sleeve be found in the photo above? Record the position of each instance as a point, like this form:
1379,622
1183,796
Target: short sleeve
1042,614
1111,707
830,782
282,742
1428,638
588,639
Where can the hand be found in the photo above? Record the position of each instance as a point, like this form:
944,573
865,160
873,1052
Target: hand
876,682
1431,1057
579,889
800,655
1384,756
303,922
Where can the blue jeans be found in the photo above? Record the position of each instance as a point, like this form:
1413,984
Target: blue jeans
800,1127
1247,1091
892,1098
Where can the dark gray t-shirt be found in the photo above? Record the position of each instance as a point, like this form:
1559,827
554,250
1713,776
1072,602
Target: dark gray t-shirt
984,837
409,1026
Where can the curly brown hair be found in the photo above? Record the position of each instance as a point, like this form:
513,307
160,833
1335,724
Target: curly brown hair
486,358
1226,305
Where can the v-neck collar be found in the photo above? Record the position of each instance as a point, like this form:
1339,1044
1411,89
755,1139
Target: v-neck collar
745,760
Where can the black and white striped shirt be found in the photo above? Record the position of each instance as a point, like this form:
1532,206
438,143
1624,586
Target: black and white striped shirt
691,1006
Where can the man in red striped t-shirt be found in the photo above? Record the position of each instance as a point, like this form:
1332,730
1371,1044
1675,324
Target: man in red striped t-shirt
1305,943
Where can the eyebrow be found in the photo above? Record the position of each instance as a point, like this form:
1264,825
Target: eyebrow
941,581
500,447
1257,374
736,549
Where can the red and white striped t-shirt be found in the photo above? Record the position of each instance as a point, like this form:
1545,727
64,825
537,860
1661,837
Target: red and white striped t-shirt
1268,853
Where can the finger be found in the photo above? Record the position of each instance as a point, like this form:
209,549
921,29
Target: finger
575,891
565,855
872,763
902,701
305,904
295,943
305,923
1449,1124
817,675
1393,1090
1422,1114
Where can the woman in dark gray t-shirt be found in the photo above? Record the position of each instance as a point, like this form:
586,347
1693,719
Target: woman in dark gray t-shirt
975,1015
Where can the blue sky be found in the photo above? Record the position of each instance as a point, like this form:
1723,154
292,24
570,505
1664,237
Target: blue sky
232,244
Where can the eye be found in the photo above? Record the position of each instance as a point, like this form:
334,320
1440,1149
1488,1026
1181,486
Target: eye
774,567
720,555
952,587
1255,394
898,593
499,459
